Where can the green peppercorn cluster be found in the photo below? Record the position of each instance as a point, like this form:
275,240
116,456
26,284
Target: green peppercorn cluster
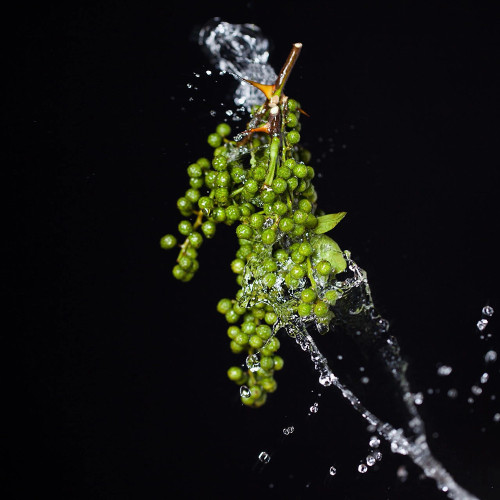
261,183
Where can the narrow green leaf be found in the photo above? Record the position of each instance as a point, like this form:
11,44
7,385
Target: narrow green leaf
327,222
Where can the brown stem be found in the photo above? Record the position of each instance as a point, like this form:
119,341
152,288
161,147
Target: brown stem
287,68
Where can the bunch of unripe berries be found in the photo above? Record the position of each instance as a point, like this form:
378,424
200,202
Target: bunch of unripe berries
260,182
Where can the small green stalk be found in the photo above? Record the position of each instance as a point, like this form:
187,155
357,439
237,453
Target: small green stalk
274,152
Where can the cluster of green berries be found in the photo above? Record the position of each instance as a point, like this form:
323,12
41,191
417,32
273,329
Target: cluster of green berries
285,266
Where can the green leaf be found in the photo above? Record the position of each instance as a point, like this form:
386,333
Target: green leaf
327,222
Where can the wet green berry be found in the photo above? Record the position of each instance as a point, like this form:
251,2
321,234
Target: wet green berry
223,129
168,241
214,140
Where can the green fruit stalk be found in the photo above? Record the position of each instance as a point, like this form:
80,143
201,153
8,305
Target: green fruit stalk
260,182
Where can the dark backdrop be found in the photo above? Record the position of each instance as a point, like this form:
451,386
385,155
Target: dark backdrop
118,371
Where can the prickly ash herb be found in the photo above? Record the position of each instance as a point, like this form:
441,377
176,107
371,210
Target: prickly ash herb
260,182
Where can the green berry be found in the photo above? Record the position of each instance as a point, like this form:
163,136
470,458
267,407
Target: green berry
278,362
291,120
308,295
223,129
286,224
195,170
185,227
204,163
235,347
305,205
297,257
269,384
304,309
281,254
178,272
232,316
224,306
238,309
244,231
284,172
205,203
259,173
323,267
196,182
219,163
235,373
196,239
214,140
293,105
269,280
257,220
232,331
293,137
268,196
330,297
320,309
248,327
267,363
185,263
299,217
311,221
223,179
293,182
297,272
184,205
252,186
298,230
222,196
237,266
306,249
256,342
279,185
300,171
233,213
271,318
241,338
219,214
268,236
168,241
263,331
193,195
280,208
269,265
208,229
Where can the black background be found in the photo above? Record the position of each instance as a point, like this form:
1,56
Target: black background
118,371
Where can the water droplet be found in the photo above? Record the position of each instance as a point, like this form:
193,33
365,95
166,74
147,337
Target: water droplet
229,112
370,460
325,380
340,357
288,430
208,72
213,113
496,417
264,457
196,75
253,362
365,380
333,471
482,324
476,390
418,398
490,357
488,311
245,391
402,473
362,468
188,85
484,378
470,400
452,393
444,370
378,456
314,408
374,442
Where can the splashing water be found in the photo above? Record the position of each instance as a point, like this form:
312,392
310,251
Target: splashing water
243,50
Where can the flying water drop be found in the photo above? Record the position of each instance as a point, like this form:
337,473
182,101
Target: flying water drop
264,457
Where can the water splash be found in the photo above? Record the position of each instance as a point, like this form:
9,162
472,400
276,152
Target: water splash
243,51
